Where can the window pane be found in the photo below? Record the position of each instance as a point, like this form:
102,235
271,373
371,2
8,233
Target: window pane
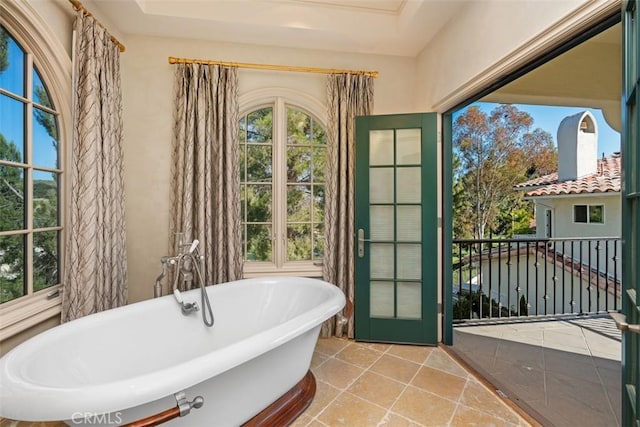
298,203
45,260
242,137
243,166
299,127
11,268
318,203
299,242
260,125
45,139
12,59
318,134
319,164
11,198
11,129
259,201
259,163
596,214
298,164
580,213
259,243
318,241
45,199
40,94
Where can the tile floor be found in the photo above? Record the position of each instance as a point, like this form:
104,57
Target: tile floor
366,384
562,372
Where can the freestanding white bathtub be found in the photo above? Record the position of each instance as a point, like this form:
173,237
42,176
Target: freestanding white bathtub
126,364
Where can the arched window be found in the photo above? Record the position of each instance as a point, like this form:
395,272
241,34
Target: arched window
30,175
282,174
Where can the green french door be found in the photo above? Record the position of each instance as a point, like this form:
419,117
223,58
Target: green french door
396,229
631,216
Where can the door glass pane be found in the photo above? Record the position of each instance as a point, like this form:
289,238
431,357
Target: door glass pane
409,300
381,302
12,262
409,223
381,185
12,118
45,199
381,147
45,260
45,139
408,186
381,261
408,146
381,222
409,261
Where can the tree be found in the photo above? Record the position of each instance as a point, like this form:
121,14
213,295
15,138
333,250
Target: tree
4,49
496,151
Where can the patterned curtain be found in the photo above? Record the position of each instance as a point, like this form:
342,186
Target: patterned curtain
95,277
205,178
349,96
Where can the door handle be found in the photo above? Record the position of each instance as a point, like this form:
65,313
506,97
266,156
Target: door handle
621,323
361,241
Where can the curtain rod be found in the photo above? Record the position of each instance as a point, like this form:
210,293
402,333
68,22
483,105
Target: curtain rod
80,7
173,60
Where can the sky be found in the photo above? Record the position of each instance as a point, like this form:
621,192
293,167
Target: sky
549,117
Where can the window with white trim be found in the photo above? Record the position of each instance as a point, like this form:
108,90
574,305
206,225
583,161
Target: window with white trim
588,214
30,176
282,173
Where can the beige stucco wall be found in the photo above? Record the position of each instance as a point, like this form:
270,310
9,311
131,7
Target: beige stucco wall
479,38
148,84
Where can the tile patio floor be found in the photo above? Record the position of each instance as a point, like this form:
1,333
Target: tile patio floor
366,384
562,372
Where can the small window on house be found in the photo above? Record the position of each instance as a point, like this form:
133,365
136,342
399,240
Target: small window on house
588,214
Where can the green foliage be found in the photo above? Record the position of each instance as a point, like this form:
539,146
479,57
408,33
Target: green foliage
305,172
12,248
4,49
467,306
492,153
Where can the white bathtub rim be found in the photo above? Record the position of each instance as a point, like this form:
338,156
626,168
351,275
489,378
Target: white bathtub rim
59,403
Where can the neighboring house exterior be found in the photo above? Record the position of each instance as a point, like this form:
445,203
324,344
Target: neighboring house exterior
582,199
578,207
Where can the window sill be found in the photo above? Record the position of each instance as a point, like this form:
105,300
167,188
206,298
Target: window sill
17,316
306,269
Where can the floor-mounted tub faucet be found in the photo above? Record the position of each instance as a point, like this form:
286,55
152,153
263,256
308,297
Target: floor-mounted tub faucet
185,262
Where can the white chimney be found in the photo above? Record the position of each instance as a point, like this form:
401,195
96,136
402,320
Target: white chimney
577,146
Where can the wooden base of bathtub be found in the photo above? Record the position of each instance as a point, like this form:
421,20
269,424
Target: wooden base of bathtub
289,406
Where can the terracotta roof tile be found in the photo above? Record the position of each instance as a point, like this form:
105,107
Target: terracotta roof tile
605,181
